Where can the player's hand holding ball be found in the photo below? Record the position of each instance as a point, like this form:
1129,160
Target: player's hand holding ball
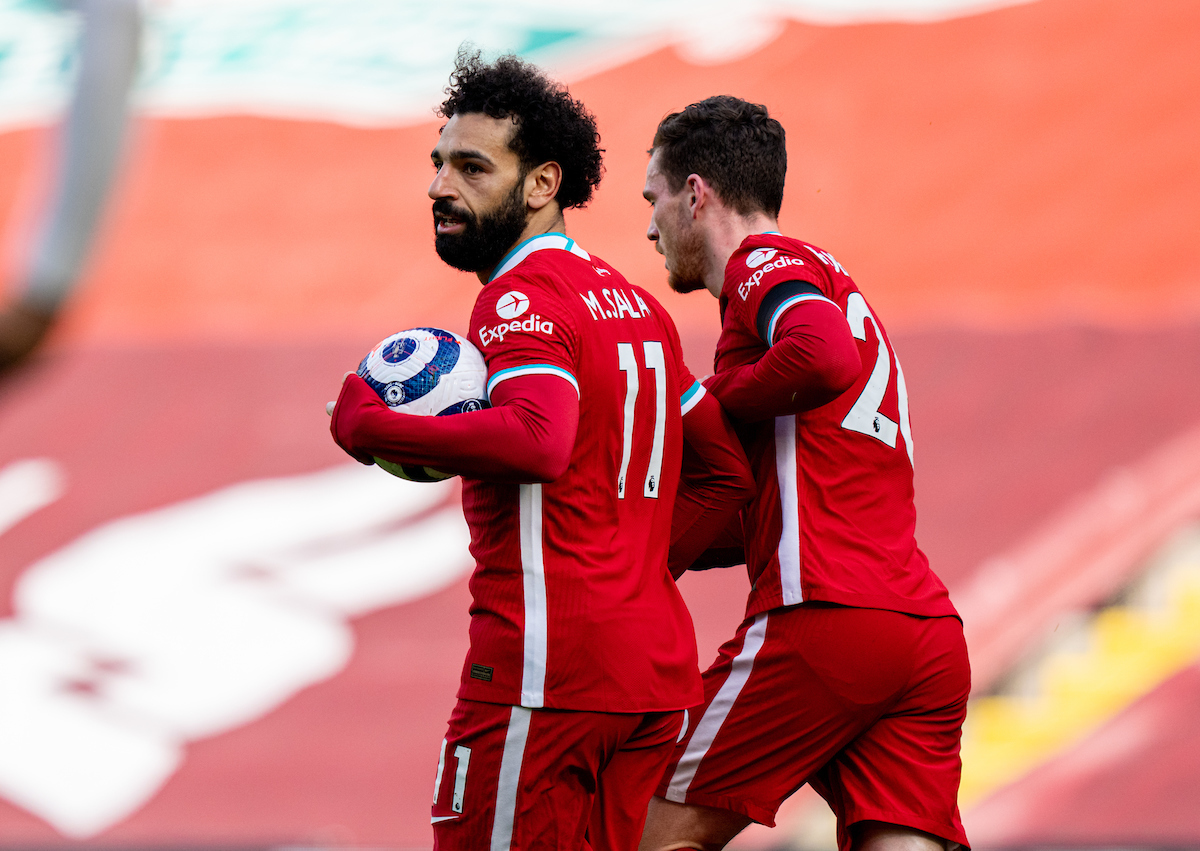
422,372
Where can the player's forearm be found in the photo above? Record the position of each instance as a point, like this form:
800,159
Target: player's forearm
700,514
716,482
813,361
520,440
493,444
727,549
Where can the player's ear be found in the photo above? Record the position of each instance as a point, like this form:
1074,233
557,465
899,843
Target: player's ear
541,184
699,193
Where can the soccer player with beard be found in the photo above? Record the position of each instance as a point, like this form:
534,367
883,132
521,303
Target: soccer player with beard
582,655
850,671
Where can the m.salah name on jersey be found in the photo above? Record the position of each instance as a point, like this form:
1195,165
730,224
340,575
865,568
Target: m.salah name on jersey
619,304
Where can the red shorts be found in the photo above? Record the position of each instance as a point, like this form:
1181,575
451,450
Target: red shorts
866,705
515,778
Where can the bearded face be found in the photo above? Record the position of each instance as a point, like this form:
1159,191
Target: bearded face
681,242
685,258
675,234
485,238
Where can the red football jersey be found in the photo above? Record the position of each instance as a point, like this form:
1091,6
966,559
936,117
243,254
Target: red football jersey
573,606
833,519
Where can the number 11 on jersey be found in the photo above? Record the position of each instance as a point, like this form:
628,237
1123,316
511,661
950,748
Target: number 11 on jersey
656,364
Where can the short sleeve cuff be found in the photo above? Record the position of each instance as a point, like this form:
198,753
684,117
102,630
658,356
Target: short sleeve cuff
692,397
531,369
783,307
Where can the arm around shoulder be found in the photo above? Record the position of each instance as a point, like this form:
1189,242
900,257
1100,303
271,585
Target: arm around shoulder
715,483
813,358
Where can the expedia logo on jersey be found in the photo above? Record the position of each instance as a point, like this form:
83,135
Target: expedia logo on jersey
512,304
532,324
761,258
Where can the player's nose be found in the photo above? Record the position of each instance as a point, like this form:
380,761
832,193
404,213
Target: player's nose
652,231
441,187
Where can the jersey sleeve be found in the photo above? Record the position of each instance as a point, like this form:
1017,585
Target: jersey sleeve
522,328
813,360
526,436
527,338
715,480
783,300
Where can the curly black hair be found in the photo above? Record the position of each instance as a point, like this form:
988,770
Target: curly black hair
550,124
733,144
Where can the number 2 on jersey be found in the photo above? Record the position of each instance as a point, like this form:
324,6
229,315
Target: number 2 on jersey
864,416
656,363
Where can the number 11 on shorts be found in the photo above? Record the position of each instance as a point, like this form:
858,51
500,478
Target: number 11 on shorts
462,759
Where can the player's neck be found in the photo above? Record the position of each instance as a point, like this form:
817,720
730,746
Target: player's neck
549,219
727,232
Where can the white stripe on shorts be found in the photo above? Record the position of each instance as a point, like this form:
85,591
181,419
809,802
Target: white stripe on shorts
717,712
510,778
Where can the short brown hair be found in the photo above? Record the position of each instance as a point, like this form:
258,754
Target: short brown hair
733,144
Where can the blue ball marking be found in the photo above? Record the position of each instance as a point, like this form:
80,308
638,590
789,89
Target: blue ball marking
442,361
380,387
396,393
399,350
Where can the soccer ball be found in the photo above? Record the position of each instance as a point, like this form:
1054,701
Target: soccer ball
428,372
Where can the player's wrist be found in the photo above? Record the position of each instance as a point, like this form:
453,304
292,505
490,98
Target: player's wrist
351,424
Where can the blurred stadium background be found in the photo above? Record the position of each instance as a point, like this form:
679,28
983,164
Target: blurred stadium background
216,632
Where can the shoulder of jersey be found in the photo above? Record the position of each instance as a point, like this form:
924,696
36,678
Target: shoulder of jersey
593,266
779,257
821,259
556,268
761,249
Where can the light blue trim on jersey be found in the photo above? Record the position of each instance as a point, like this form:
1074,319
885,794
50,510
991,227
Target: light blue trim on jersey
530,369
693,395
796,299
537,243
